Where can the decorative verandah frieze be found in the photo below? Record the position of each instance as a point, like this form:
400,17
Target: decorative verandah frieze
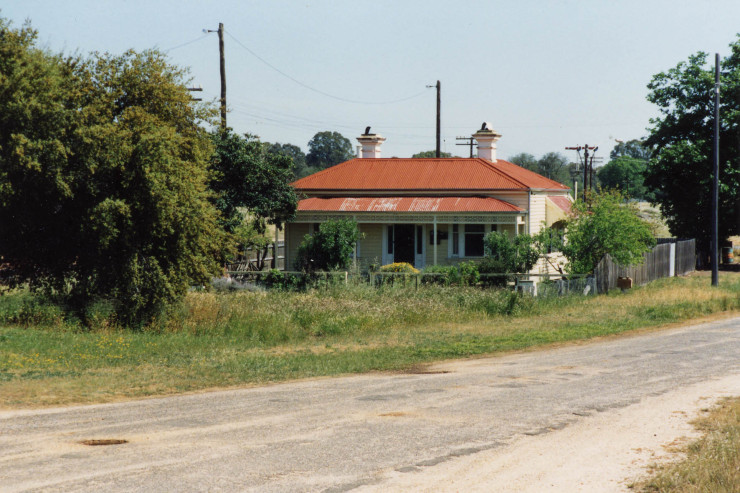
400,218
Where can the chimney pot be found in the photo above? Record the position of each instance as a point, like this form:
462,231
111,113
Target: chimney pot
486,138
370,144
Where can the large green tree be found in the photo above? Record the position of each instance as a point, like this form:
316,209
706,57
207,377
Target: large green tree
552,165
625,173
103,166
300,169
680,171
327,149
525,160
634,148
245,175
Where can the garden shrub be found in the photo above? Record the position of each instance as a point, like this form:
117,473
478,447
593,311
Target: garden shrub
446,275
491,265
463,274
330,248
400,267
469,273
516,254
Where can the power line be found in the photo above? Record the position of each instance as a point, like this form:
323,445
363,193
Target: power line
185,43
318,91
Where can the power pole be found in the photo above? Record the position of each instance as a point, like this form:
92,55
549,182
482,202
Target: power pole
588,166
197,89
222,61
439,103
715,183
468,142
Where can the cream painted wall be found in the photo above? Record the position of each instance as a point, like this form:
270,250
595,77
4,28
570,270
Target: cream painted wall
371,246
294,233
537,212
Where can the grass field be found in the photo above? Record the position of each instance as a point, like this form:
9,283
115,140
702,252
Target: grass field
712,463
230,339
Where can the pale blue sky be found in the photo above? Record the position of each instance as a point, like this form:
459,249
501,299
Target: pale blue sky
546,74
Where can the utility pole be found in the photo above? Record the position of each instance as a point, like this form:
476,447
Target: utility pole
468,142
588,166
715,183
197,89
439,103
222,61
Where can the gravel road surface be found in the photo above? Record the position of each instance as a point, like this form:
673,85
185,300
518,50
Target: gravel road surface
354,432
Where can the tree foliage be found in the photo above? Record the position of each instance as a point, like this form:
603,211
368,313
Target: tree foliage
431,154
300,168
625,173
330,248
514,254
604,223
245,175
552,165
525,160
680,172
634,148
327,149
102,178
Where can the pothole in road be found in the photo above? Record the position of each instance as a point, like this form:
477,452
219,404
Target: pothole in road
104,441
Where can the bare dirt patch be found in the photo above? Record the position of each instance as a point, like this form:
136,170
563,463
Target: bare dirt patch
606,452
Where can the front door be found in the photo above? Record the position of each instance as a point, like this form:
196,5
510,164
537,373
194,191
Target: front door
403,243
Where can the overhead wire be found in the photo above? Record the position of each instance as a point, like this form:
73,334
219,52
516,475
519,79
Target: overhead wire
186,43
319,91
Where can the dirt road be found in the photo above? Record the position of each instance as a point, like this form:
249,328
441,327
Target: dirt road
458,426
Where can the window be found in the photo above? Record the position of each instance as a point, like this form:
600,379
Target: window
389,248
474,240
419,240
455,240
316,227
441,235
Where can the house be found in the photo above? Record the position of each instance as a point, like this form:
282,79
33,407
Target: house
426,211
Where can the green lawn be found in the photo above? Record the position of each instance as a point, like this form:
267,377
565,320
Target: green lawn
243,338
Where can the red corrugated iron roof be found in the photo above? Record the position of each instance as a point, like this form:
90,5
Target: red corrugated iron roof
425,174
561,201
406,204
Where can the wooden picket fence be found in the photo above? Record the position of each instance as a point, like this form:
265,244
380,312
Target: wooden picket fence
658,263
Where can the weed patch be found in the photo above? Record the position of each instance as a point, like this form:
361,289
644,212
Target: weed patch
244,337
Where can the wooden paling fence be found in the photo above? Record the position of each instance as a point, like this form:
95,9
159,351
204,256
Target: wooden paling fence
665,260
685,257
249,262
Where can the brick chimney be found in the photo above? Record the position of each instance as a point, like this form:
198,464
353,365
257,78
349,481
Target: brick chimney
486,138
370,144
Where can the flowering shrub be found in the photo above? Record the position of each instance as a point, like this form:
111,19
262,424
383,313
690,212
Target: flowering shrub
400,267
